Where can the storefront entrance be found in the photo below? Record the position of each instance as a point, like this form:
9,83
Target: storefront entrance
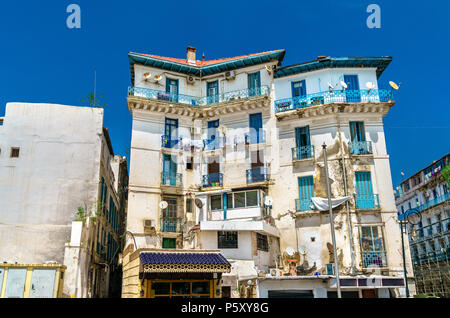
182,289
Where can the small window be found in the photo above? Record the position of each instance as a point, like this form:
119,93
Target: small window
189,163
216,202
227,239
252,198
261,242
15,152
239,200
188,205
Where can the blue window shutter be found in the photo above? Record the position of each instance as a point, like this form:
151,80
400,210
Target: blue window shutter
364,190
254,84
357,131
302,136
306,191
255,123
212,92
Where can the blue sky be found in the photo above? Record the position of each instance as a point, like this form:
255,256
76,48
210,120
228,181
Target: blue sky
41,60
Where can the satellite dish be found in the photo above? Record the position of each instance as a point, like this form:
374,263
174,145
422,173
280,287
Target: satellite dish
163,204
268,69
147,75
302,249
290,251
157,77
393,85
330,86
198,203
344,85
268,200
370,85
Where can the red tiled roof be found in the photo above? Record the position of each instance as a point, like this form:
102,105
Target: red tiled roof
202,63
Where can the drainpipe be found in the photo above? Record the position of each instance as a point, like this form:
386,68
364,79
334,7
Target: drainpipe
349,221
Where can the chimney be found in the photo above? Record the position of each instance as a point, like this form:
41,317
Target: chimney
190,54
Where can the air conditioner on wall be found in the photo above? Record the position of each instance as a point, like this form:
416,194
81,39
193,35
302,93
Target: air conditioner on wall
149,225
230,75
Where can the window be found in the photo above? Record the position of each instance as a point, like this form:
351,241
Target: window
212,91
216,202
254,84
189,163
251,198
239,199
227,239
15,152
373,252
243,199
261,242
188,205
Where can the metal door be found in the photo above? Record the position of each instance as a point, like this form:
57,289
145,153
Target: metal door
15,282
43,283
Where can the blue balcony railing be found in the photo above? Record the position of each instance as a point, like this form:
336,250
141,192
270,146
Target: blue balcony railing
212,180
336,96
198,101
171,224
434,202
363,201
257,175
303,204
360,147
175,180
255,137
169,142
374,259
214,143
303,152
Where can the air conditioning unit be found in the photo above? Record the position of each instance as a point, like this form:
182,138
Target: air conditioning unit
190,80
149,225
230,75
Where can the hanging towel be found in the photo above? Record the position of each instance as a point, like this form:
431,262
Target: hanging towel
321,204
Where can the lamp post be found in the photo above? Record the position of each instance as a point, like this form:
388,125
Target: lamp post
333,238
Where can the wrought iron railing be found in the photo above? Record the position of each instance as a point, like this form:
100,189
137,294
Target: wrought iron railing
198,101
360,147
336,96
303,204
170,224
214,143
255,137
374,259
430,257
364,201
303,152
257,175
169,142
175,179
434,202
212,180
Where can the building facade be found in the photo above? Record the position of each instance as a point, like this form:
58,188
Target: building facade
226,155
426,193
59,194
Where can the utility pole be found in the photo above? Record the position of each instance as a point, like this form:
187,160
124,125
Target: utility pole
333,238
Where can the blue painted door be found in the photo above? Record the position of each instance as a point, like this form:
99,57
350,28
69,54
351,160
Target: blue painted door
172,89
42,283
171,132
305,192
212,91
213,135
15,282
303,142
299,93
352,92
169,170
364,191
255,123
254,84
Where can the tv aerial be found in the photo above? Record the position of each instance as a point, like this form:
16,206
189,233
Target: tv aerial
163,205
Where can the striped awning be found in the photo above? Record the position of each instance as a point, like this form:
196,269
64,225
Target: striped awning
189,262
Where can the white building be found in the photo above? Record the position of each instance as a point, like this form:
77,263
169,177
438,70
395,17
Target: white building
55,160
426,193
226,155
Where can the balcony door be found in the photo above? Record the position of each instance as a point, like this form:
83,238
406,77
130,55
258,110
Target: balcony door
303,142
169,217
254,84
358,137
364,191
255,123
299,92
169,175
305,192
352,92
212,91
171,131
172,89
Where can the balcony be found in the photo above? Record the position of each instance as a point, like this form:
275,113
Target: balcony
257,175
214,143
171,225
168,142
174,180
364,202
360,147
212,180
304,152
374,259
434,202
252,138
204,101
336,96
303,204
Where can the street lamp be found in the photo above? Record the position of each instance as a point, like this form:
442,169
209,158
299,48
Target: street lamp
406,218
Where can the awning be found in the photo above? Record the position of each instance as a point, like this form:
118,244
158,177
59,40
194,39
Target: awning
189,262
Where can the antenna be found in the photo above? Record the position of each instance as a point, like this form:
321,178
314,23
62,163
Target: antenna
330,86
157,77
163,205
147,76
394,85
290,251
344,85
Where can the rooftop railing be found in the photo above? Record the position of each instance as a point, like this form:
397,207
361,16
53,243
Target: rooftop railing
336,96
204,101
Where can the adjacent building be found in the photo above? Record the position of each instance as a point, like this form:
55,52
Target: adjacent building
226,158
423,201
63,197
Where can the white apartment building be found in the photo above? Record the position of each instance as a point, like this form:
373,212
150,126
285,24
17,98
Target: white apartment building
55,159
426,193
226,155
